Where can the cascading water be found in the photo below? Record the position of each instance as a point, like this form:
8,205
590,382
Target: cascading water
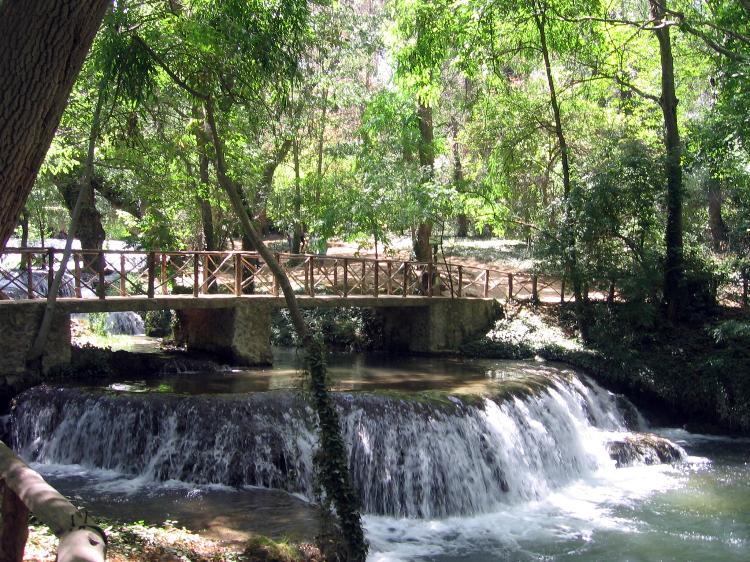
414,458
124,323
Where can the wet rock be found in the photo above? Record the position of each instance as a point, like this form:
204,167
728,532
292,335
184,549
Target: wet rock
644,449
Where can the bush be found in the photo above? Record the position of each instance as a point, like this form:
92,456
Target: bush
348,329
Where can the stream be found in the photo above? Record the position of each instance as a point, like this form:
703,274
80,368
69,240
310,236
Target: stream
454,459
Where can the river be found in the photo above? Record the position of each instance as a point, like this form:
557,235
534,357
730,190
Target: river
455,459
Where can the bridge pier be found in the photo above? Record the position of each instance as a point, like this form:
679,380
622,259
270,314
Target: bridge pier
440,327
19,323
240,335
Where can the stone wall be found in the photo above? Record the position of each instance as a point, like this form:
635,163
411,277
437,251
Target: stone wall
440,327
240,335
19,323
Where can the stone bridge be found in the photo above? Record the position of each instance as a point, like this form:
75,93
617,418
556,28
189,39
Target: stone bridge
225,299
237,329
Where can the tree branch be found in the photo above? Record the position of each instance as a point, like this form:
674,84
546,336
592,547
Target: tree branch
177,80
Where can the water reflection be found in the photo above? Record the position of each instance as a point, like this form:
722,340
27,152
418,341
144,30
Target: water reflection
362,372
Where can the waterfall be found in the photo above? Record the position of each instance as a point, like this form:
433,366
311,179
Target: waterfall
415,457
124,323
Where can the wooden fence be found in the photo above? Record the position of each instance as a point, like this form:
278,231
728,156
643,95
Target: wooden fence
27,273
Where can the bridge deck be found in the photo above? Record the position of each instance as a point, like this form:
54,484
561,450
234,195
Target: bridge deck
183,302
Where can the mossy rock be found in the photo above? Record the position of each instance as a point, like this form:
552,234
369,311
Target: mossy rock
263,549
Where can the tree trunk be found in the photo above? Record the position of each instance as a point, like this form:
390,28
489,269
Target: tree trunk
462,221
569,239
336,480
716,224
297,233
24,228
422,247
89,230
674,267
85,191
207,219
43,44
321,144
117,197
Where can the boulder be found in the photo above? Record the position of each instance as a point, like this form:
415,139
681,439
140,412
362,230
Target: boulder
644,449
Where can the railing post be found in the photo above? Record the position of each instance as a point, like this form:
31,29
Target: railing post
123,288
363,283
346,277
29,277
77,273
237,275
311,277
376,289
486,283
534,289
101,288
562,291
196,274
15,526
50,269
460,280
151,274
429,279
306,272
406,278
510,287
336,276
206,274
389,271
163,276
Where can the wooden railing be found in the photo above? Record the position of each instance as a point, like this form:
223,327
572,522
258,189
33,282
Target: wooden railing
24,491
27,273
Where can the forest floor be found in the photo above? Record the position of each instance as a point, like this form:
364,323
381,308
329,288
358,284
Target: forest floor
141,542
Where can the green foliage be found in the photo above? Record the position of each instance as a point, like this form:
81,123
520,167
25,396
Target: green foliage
98,323
731,332
158,323
345,329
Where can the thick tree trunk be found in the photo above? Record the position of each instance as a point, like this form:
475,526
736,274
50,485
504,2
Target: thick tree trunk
117,197
43,44
716,224
89,230
674,267
422,247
